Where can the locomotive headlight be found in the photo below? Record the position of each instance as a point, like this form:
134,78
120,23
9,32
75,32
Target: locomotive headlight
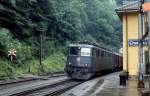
78,59
69,63
86,65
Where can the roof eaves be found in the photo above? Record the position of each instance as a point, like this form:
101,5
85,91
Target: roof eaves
133,7
126,10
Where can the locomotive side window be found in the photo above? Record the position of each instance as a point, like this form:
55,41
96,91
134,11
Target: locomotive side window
97,53
94,53
106,54
102,53
85,52
74,50
109,55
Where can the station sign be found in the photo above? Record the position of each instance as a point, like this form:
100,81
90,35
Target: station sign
135,42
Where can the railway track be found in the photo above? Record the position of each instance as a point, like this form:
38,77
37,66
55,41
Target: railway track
5,83
50,90
16,81
50,85
23,85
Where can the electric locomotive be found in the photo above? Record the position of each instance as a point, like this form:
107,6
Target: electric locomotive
85,61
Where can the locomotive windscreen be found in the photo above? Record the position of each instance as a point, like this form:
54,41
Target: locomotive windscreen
80,51
74,50
85,51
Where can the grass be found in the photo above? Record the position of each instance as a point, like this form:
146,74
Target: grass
53,63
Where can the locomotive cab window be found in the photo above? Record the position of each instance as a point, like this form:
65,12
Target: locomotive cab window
85,52
74,50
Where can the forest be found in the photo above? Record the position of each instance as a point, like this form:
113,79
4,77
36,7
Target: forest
58,22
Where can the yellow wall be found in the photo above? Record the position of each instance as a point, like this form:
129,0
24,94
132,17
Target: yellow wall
130,53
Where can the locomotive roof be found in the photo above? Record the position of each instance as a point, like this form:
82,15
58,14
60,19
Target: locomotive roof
93,46
119,54
81,45
89,46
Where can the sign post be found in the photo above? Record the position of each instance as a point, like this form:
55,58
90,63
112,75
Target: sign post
11,55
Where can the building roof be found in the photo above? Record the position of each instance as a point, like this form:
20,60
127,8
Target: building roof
128,7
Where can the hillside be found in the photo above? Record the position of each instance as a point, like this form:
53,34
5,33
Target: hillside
60,22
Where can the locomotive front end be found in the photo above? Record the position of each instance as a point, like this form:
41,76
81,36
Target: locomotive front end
79,62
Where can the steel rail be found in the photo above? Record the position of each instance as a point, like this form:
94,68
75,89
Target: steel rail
52,89
30,79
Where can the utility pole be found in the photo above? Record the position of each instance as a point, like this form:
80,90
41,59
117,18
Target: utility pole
40,37
140,46
148,18
146,8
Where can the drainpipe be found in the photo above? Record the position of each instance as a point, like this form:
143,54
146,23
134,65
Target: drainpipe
140,46
127,67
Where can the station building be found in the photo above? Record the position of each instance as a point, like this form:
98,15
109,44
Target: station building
128,15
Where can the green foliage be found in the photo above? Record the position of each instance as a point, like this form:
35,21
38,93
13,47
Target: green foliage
64,20
103,22
119,2
54,62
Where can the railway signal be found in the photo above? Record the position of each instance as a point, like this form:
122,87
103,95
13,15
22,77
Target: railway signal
146,7
11,54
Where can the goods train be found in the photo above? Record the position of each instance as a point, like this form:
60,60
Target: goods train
86,60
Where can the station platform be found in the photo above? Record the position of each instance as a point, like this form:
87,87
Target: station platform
107,85
111,87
